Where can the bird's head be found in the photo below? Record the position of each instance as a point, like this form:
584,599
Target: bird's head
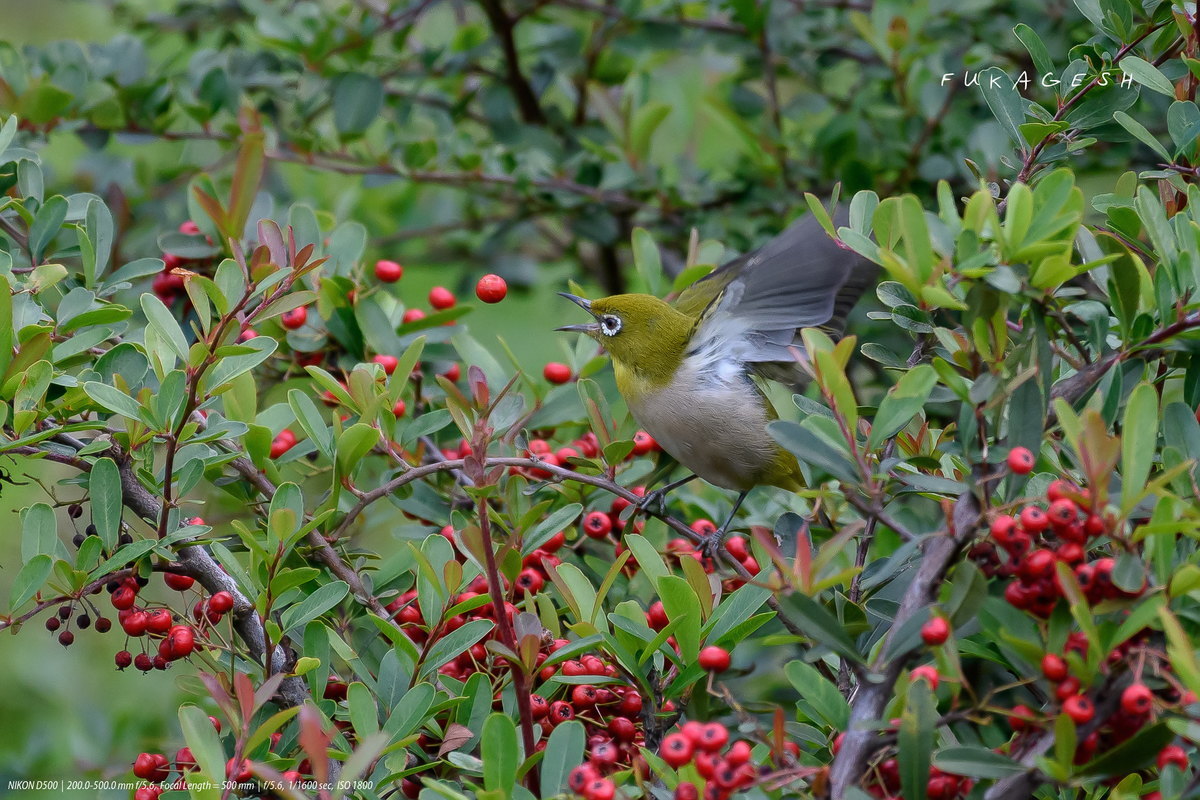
639,331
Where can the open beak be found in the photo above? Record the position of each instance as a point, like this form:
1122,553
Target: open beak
586,305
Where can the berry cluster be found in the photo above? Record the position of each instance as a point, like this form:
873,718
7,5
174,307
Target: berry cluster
1038,538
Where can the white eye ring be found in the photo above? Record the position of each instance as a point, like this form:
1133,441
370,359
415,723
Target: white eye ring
610,325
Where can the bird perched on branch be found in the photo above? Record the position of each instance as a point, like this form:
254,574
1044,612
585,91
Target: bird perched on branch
687,369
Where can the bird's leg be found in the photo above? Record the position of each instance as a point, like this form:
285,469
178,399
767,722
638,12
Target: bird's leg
658,497
711,545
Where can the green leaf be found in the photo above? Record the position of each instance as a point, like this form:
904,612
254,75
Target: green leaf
46,225
30,579
311,421
821,626
498,749
1139,132
564,752
546,529
1036,48
160,319
819,699
1132,755
107,501
363,713
1139,434
408,714
902,403
680,602
735,609
976,762
354,444
1004,101
230,367
647,260
357,100
1147,75
202,739
454,643
114,400
915,740
313,606
646,120
647,557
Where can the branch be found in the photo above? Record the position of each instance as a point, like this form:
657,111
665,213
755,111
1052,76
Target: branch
503,26
614,12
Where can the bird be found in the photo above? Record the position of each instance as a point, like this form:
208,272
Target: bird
689,370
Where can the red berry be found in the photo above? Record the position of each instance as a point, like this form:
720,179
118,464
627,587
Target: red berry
1062,512
686,790
388,271
600,789
221,602
441,298
713,737
561,711
597,524
180,642
583,696
1033,519
555,372
1054,667
143,662
412,315
1003,529
151,767
387,362
295,318
1020,460
1019,719
123,598
189,227
1079,709
66,638
281,444
184,760
399,408
643,443
148,792
739,752
605,753
1060,488
491,289
714,659
677,749
177,581
656,617
581,776
1137,699
158,620
935,632
928,672
1172,755
135,623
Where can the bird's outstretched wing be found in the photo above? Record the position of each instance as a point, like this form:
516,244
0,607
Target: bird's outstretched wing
800,279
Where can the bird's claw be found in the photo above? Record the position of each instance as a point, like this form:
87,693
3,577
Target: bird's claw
653,502
711,545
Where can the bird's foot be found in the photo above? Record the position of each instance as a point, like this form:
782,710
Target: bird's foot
710,546
654,502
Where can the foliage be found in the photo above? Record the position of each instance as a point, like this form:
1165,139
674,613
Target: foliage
514,612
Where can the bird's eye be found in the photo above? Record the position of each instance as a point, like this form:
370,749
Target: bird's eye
610,325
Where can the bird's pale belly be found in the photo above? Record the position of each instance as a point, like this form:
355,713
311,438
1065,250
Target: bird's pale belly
719,433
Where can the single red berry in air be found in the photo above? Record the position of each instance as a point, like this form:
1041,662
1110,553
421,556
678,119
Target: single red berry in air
441,298
1054,667
935,632
676,749
66,638
1136,699
388,271
142,661
491,289
295,318
555,372
714,659
1020,460
1079,708
597,524
123,659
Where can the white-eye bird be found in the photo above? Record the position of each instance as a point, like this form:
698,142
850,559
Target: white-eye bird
687,370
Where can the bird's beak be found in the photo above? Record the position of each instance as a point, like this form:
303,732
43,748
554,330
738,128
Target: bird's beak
586,305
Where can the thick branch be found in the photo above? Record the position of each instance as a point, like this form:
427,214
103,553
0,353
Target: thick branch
502,26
